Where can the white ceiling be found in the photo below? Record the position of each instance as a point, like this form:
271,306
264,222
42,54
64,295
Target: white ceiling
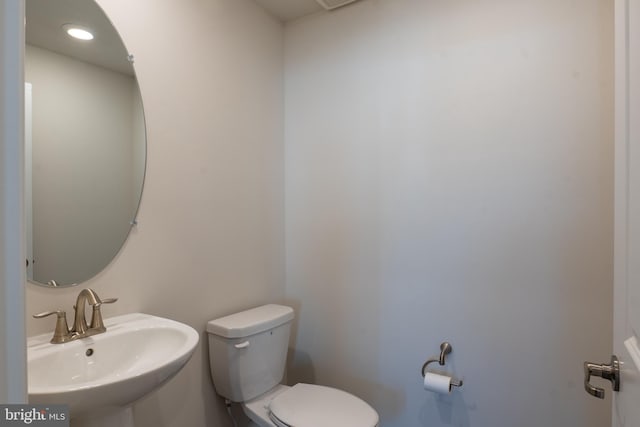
288,10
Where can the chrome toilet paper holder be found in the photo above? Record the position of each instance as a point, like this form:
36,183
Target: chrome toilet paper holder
445,348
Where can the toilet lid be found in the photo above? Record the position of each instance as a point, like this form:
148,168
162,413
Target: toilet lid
307,405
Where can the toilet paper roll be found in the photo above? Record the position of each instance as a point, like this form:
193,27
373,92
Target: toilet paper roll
437,383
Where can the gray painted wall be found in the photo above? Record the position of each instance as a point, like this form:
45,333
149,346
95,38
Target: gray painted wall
449,171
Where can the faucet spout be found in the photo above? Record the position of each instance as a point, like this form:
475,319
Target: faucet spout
80,321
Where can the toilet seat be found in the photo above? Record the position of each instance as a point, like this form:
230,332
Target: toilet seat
309,405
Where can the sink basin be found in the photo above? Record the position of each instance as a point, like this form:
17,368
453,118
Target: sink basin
109,371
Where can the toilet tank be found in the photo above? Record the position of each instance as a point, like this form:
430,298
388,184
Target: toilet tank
248,351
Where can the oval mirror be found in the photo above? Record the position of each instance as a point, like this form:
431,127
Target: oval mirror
85,142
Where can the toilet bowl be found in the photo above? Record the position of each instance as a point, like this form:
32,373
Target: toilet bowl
247,354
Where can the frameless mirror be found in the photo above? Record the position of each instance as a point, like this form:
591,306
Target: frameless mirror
85,142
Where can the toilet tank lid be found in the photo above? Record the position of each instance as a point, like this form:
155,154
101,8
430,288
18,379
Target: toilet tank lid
250,322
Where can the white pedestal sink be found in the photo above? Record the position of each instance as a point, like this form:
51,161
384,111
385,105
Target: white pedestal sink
99,377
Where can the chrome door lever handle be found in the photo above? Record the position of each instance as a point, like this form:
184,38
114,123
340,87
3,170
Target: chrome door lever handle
609,372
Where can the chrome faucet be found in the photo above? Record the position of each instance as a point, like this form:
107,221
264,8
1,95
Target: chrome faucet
80,329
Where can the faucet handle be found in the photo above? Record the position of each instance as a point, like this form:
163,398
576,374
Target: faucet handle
61,333
49,313
97,324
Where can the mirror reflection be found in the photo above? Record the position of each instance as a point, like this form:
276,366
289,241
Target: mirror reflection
85,142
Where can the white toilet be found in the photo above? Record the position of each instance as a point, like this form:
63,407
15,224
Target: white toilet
247,355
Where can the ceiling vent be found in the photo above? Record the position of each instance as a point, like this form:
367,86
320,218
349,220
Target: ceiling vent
333,4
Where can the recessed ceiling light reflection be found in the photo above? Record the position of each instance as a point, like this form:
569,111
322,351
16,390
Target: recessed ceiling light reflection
78,32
